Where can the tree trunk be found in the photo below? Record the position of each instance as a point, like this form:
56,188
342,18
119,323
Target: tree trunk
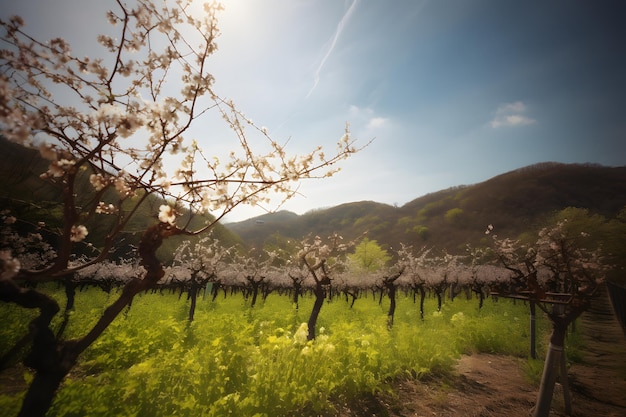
533,330
215,289
552,368
320,294
392,304
255,293
41,392
193,295
53,359
354,296
296,295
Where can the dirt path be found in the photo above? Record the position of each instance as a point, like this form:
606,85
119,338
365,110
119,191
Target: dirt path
494,385
599,382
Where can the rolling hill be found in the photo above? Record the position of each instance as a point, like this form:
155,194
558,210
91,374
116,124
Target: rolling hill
515,202
32,200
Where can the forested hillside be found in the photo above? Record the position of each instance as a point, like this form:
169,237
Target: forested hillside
515,202
35,200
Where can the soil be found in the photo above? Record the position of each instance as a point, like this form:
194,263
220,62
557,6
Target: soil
485,385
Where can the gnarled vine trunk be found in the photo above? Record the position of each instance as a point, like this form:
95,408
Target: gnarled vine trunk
320,295
51,358
392,305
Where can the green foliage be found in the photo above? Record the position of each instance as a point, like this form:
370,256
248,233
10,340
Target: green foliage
422,231
582,221
10,404
369,256
433,208
533,369
234,360
14,325
453,216
594,231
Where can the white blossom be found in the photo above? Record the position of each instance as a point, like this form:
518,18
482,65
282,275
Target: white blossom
167,214
98,181
57,169
78,233
104,208
122,187
9,266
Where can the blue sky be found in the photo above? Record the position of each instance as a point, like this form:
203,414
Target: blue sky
454,92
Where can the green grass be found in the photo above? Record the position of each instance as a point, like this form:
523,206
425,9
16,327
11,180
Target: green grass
237,360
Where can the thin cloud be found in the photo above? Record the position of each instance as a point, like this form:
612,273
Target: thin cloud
365,116
511,115
376,122
342,23
356,110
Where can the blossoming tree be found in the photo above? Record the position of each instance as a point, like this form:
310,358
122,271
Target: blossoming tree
123,118
256,272
560,275
320,259
415,271
197,264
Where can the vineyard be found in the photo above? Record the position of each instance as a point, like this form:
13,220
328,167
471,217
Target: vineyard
122,292
234,359
290,331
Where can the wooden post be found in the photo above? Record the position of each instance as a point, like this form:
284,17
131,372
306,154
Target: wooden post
548,379
533,328
567,397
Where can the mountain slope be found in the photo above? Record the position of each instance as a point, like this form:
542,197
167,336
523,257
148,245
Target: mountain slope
33,200
514,202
